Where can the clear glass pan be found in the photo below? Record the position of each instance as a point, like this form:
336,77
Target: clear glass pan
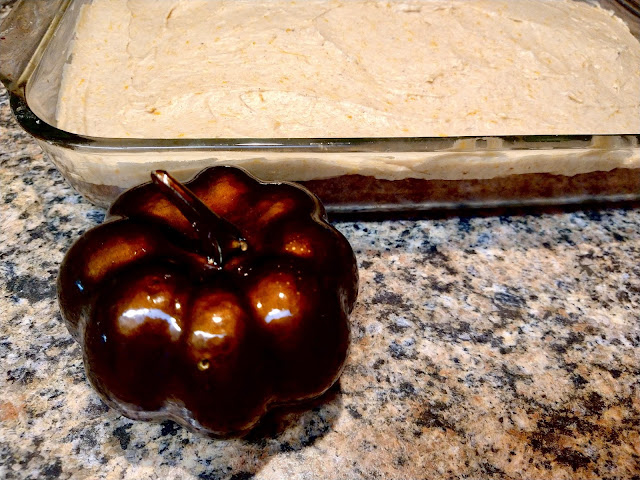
36,38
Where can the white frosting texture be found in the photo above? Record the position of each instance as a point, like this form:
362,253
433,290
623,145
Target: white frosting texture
349,68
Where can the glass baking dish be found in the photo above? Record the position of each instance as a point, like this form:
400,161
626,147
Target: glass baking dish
36,39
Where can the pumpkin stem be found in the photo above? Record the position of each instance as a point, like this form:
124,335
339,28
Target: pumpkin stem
219,237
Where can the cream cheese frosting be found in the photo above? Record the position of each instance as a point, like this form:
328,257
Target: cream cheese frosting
349,68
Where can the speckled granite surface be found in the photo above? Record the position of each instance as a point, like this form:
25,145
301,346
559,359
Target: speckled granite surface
495,347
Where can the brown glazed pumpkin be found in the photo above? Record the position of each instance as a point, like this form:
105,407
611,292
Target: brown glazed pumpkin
210,302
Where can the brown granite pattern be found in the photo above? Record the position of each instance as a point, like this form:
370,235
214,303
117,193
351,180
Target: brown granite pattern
503,347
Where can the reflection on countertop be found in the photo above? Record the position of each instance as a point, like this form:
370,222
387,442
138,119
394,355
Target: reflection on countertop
482,347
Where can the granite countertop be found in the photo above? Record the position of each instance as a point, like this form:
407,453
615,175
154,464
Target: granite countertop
503,347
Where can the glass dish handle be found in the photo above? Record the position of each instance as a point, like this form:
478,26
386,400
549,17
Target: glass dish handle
27,26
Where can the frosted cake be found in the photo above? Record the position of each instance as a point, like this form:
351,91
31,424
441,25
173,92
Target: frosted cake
354,68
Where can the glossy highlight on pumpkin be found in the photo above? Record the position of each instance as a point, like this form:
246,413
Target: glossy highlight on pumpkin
210,302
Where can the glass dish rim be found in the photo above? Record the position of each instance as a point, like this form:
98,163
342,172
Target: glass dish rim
42,130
